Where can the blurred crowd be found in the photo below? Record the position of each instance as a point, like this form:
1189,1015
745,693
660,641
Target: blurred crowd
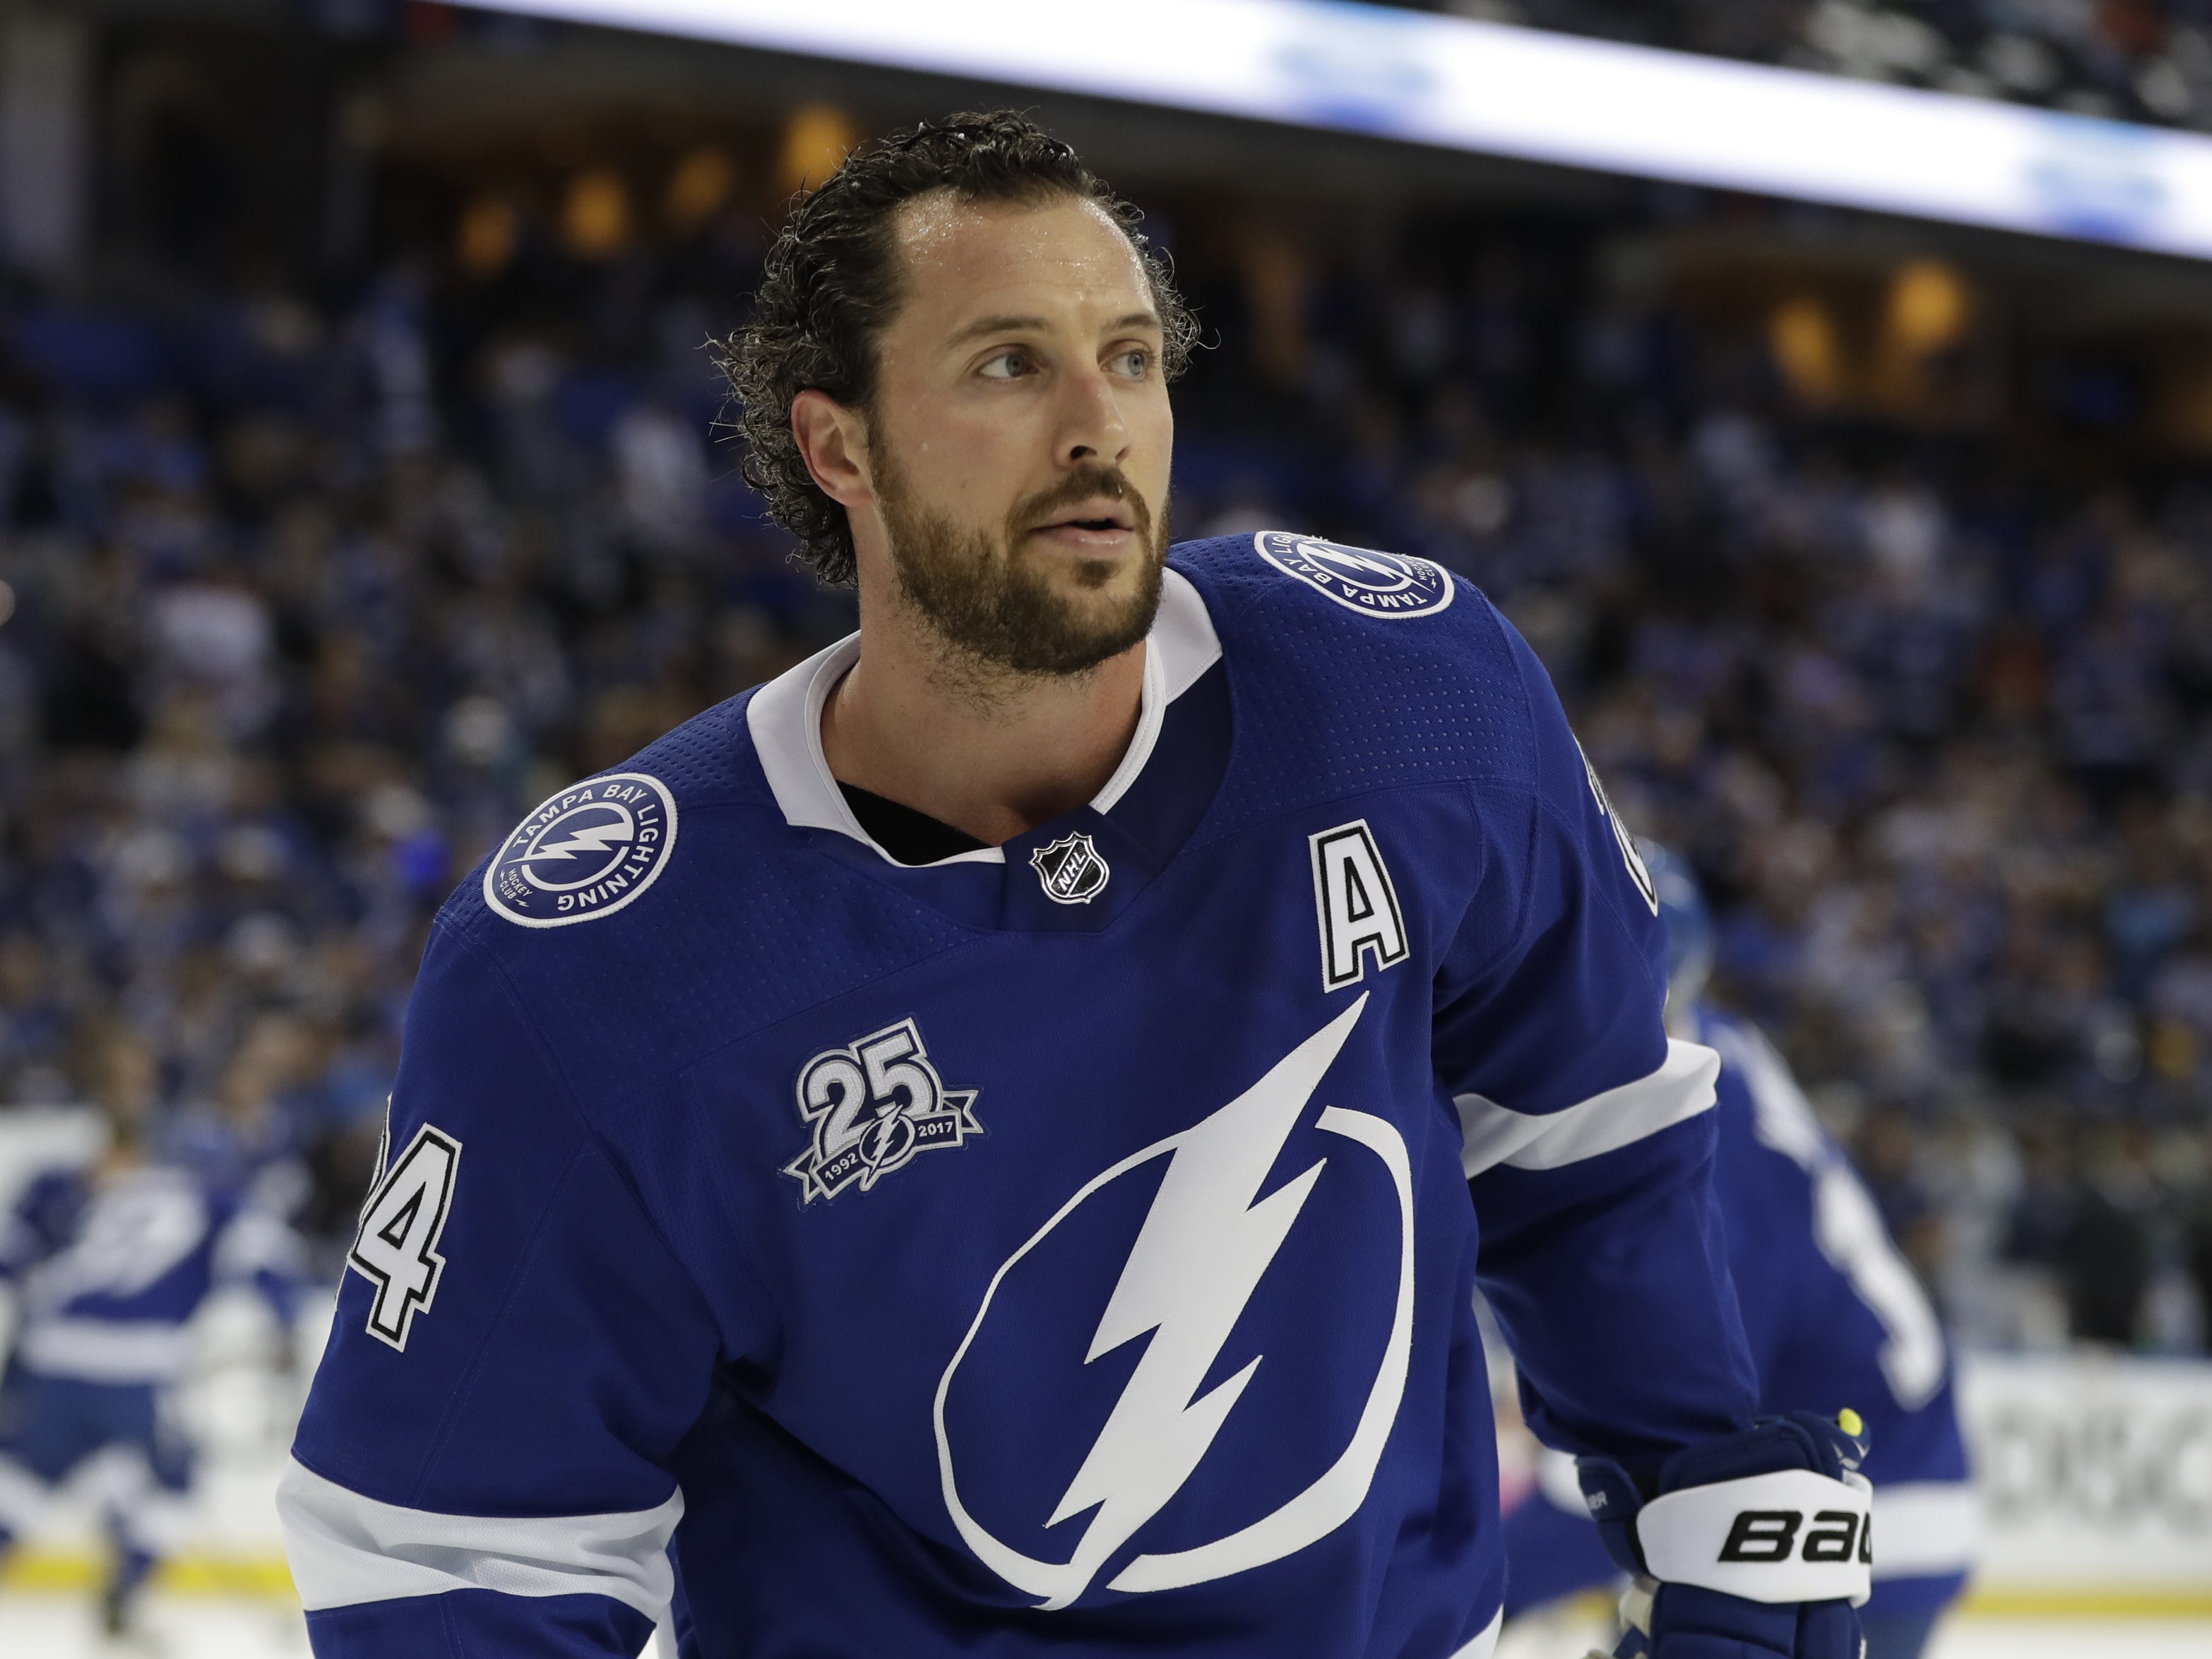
2132,60
297,613
302,604
1925,705
2136,60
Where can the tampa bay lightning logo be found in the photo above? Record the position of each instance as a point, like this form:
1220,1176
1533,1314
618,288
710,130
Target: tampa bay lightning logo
1359,579
1201,1257
586,852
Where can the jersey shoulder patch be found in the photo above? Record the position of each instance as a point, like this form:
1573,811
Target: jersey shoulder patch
1353,671
719,918
601,844
586,852
1396,587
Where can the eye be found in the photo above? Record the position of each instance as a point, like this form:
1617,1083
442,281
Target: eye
1136,362
1009,365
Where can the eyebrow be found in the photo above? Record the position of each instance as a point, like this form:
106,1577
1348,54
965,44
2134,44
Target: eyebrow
1011,324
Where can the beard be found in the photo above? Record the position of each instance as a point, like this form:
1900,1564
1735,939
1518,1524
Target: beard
996,610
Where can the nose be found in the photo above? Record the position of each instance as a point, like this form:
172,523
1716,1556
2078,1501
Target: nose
1095,430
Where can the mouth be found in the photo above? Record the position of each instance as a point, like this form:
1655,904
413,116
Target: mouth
1098,526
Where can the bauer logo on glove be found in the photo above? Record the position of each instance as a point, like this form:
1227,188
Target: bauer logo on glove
1768,1535
1720,1521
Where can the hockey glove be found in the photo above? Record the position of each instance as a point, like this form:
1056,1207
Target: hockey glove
1754,1547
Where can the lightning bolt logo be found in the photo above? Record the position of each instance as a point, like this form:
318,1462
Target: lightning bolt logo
1198,1260
597,838
586,851
1355,559
1205,1245
1373,584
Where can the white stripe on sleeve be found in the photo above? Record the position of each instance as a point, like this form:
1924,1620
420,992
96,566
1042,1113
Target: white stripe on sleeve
258,1241
1682,1088
125,1351
346,1549
1924,1528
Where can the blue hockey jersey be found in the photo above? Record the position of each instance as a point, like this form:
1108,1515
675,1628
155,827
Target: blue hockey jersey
111,1267
1066,1246
1835,1318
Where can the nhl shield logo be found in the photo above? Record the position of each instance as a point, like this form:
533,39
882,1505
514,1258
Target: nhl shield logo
1359,579
1071,869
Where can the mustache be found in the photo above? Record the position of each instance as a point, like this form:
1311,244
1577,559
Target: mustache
1085,483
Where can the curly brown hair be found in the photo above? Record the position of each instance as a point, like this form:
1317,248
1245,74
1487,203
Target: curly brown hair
830,283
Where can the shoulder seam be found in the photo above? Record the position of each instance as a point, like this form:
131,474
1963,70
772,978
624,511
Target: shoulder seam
1233,605
595,1142
1542,808
1612,904
463,933
736,792
465,917
751,1032
1535,785
1462,787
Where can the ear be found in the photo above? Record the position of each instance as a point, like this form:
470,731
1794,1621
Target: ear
833,439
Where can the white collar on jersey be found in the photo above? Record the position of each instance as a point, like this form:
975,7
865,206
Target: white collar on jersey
785,717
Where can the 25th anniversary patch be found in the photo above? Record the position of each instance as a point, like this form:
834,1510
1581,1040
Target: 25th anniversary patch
586,852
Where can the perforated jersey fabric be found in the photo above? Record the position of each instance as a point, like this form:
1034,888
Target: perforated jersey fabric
1397,703
1067,1251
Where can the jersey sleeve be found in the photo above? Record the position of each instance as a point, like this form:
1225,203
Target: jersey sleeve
27,1237
1588,1135
1830,1283
38,1223
1766,1202
481,1467
257,1249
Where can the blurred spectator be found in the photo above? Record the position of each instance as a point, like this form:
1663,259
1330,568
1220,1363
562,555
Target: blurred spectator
300,627
2141,60
106,1267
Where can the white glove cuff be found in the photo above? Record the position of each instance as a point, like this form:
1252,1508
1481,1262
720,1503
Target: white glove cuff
1790,1536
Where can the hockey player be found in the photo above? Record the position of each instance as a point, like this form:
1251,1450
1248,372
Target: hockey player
967,1148
1835,1316
106,1266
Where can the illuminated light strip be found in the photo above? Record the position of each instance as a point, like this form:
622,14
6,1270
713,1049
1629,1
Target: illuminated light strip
2000,1602
1501,90
55,1572
34,1571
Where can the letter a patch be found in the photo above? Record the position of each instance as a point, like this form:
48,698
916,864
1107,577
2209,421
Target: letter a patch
1357,906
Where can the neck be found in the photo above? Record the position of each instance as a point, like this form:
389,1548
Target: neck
989,752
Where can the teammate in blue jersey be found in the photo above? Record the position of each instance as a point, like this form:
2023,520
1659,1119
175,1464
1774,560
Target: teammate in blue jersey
106,1265
979,1145
1835,1316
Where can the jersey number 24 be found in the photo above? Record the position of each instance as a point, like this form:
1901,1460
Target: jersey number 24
396,1247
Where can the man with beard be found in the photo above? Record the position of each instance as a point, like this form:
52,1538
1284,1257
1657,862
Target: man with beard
977,1145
